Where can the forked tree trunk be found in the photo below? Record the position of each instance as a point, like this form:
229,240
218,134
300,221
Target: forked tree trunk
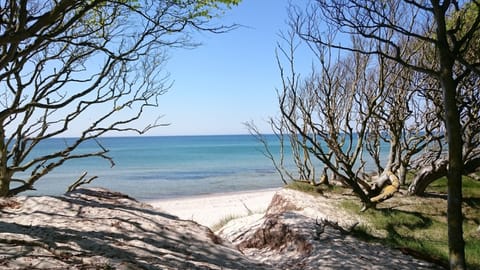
388,183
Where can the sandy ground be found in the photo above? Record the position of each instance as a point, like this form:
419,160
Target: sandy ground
290,230
101,229
300,231
208,210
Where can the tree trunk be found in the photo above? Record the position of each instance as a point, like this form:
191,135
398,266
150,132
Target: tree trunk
429,174
402,173
5,176
4,185
456,244
426,176
454,210
389,184
392,153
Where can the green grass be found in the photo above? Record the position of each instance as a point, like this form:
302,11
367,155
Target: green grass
471,187
303,187
417,227
313,190
422,227
226,219
223,221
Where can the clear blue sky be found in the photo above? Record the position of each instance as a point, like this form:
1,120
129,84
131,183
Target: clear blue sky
231,78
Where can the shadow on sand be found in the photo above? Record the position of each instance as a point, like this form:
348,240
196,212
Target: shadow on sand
98,228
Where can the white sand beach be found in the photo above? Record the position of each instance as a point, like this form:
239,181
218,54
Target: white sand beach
208,210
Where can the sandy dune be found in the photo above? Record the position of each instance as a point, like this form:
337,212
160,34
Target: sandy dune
280,227
100,229
208,210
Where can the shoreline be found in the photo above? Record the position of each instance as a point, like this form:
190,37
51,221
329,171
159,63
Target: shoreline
210,209
207,195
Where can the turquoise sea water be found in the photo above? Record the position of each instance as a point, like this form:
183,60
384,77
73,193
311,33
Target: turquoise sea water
161,167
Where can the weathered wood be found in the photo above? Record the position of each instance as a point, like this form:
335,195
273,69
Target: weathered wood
389,183
426,176
429,174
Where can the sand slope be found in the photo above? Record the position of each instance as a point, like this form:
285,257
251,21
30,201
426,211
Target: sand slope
99,229
208,210
301,231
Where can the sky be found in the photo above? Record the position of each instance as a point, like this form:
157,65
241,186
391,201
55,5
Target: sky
229,79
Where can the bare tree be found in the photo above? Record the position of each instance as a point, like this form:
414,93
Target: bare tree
90,64
331,109
404,121
415,23
293,160
277,159
433,164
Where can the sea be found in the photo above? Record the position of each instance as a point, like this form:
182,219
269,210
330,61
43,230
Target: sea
149,168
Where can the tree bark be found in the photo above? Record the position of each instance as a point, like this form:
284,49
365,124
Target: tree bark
402,173
426,176
454,186
389,184
4,175
429,174
456,244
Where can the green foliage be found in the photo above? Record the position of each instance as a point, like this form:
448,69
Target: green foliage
461,24
102,12
111,53
207,8
215,3
463,19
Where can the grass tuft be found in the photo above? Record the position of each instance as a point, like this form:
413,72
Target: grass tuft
223,221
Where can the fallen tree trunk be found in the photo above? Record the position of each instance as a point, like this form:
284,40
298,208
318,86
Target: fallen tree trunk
389,184
439,169
426,176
